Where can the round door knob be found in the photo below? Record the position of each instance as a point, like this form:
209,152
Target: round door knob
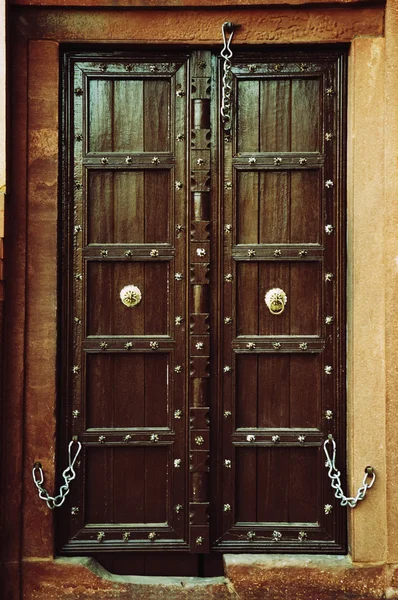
276,300
130,295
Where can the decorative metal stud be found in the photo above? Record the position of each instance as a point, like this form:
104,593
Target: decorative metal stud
276,536
301,439
103,345
202,64
79,277
328,320
199,440
250,535
328,415
302,161
252,160
199,346
79,91
153,68
228,185
154,437
75,414
227,369
79,137
127,438
250,345
328,509
129,67
178,185
328,370
178,508
180,137
100,536
152,536
128,345
227,413
130,295
277,67
303,253
277,160
177,369
200,162
227,320
329,184
199,540
275,439
104,253
200,251
178,320
128,160
179,228
126,536
304,346
103,67
328,136
178,413
177,463
276,345
178,276
227,228
250,438
155,160
78,185
101,439
128,254
329,229
77,321
227,139
75,369
77,229
228,463
329,91
302,536
251,252
104,160
228,277
74,510
303,67
154,252
252,68
277,252
328,276
227,508
180,93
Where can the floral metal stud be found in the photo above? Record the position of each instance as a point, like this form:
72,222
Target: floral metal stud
178,185
129,67
252,67
277,67
227,508
227,320
180,93
180,137
128,160
328,509
227,463
75,369
201,251
78,229
126,536
250,345
201,64
127,438
329,184
228,277
303,253
328,136
328,320
154,437
329,91
328,276
227,228
100,536
252,160
155,160
250,438
154,252
101,439
128,253
178,276
103,345
276,345
276,536
179,228
77,321
301,439
128,345
304,346
74,510
199,540
199,345
178,413
227,369
79,91
328,370
177,463
302,161
277,160
200,162
178,508
329,229
228,185
79,137
103,67
79,277
178,320
227,413
275,439
78,185
250,535
277,252
177,369
328,415
104,160
302,536
104,253
130,295
303,67
251,252
199,440
75,414
153,68
152,536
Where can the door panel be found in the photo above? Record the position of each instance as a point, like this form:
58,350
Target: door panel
202,414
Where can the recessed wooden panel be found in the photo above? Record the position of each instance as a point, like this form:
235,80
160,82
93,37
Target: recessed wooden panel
306,115
107,315
139,475
248,115
276,207
302,285
127,390
276,485
129,115
278,390
128,207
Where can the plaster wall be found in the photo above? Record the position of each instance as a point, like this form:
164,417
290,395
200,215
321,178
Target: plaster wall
372,283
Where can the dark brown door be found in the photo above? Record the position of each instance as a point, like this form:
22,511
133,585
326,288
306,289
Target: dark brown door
203,322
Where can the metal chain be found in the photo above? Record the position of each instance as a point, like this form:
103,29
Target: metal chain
335,474
226,53
68,475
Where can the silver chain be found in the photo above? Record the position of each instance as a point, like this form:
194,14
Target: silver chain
68,475
226,53
335,474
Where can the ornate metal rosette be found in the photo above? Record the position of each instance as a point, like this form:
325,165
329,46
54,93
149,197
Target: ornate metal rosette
130,295
276,299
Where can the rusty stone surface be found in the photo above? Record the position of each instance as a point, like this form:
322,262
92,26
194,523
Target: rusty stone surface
258,26
84,578
305,577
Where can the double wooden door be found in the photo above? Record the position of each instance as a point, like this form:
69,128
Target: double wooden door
203,303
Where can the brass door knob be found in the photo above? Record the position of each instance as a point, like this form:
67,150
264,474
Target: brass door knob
276,300
130,295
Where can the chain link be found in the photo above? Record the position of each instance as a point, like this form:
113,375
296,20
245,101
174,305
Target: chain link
68,475
335,474
226,53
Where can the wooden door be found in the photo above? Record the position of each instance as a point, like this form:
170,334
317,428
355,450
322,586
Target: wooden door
201,413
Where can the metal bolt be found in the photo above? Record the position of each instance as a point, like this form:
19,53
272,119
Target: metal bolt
180,137
74,510
199,540
104,253
126,536
301,438
75,369
328,415
228,185
199,440
328,136
200,162
252,68
153,68
228,277
277,160
302,161
227,228
303,253
199,346
79,277
78,91
201,251
329,184
154,345
180,93
179,228
227,413
77,321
